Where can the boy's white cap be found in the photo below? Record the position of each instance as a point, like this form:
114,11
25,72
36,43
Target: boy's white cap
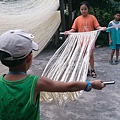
17,43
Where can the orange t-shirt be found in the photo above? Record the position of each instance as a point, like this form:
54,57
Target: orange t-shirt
84,24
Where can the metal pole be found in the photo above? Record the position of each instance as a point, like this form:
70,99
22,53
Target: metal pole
62,15
70,12
63,21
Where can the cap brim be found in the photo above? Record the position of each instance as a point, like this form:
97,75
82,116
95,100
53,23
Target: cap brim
35,46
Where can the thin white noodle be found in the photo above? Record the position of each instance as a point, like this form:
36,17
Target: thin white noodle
69,63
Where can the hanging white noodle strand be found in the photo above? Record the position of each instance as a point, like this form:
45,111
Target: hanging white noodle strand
69,63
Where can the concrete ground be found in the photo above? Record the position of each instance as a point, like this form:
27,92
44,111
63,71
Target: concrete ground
94,105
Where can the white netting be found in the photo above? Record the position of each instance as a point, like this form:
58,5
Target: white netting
69,63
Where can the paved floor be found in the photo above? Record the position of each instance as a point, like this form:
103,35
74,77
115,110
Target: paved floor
95,105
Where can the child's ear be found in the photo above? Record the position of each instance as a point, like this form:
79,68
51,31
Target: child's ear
29,57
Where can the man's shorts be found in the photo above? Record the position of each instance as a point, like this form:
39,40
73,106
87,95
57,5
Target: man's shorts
115,46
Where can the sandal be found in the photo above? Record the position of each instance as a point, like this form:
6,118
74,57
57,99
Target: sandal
116,62
93,73
111,62
88,74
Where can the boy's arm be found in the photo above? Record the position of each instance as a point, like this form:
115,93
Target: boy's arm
48,85
110,41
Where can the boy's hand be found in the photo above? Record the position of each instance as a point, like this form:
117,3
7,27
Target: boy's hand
110,42
97,84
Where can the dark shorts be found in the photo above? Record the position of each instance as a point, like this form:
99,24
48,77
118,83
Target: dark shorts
113,47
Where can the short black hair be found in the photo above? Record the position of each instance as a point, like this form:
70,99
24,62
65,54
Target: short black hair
117,12
13,63
9,63
85,3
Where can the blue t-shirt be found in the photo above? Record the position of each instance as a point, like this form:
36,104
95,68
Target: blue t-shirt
114,32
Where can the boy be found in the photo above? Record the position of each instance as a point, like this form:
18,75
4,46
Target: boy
20,92
114,37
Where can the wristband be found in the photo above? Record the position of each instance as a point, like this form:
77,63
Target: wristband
88,87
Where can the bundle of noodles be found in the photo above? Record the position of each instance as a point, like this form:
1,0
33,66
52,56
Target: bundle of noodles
39,17
69,63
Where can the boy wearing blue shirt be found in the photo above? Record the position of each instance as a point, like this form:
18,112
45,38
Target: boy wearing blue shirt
114,37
